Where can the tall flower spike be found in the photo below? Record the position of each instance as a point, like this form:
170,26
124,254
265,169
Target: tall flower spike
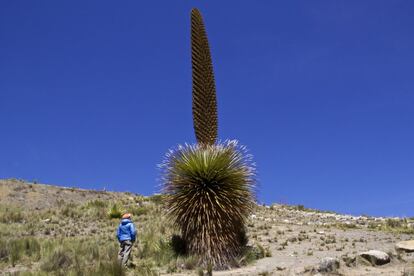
204,89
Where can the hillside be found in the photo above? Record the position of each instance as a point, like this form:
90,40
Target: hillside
46,230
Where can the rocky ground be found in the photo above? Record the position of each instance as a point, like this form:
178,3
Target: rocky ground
295,240
309,242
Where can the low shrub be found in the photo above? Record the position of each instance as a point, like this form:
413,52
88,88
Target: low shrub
70,211
16,249
112,268
147,268
139,211
157,199
394,223
115,212
59,260
96,204
11,215
250,254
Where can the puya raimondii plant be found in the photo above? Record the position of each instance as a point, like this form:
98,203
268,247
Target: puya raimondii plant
209,186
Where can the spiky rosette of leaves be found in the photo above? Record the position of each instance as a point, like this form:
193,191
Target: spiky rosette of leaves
210,191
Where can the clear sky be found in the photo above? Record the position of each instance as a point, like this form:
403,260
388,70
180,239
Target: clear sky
93,93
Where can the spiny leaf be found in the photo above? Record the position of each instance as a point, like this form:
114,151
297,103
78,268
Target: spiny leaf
210,191
204,90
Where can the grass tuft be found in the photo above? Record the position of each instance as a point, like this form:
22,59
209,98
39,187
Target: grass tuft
59,260
115,212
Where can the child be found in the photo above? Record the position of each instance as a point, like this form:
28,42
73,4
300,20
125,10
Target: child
126,236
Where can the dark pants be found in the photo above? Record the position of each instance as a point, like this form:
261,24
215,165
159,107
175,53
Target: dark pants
124,252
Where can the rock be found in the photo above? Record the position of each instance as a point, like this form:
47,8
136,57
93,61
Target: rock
328,265
407,246
375,257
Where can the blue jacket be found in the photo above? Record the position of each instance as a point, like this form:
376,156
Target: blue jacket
126,231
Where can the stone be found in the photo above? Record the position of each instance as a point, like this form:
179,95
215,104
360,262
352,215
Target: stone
375,257
407,246
328,265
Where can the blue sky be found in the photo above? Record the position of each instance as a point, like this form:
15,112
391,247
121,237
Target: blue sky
93,93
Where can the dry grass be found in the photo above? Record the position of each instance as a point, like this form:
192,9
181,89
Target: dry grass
80,238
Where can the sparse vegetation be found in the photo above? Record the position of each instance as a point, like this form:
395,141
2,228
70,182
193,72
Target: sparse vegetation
10,215
401,226
79,239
